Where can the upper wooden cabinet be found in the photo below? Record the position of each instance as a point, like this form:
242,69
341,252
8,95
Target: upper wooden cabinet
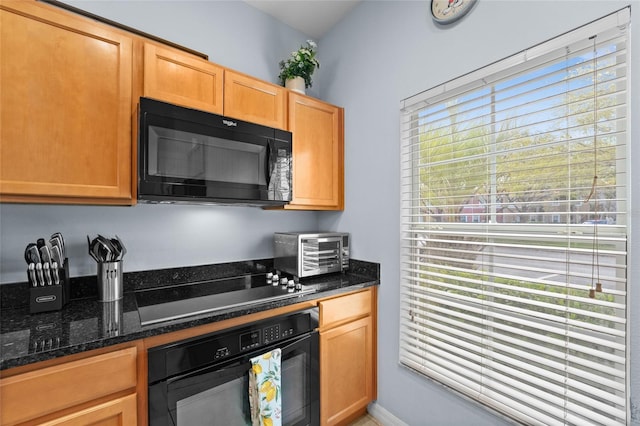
66,104
318,154
249,99
70,90
182,79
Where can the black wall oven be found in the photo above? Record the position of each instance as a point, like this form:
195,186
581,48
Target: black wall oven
187,155
205,380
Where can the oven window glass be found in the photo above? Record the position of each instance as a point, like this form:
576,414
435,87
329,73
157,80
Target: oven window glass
226,404
295,388
185,155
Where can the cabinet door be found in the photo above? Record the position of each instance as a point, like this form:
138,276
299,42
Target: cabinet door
346,370
65,107
116,412
250,99
182,79
318,163
66,385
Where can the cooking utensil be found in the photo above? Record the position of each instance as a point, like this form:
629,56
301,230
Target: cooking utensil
31,254
58,236
104,250
46,268
54,270
56,256
57,242
117,249
123,249
45,253
33,282
108,247
40,274
92,251
40,242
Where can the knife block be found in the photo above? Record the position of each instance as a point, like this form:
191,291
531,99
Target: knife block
45,298
51,297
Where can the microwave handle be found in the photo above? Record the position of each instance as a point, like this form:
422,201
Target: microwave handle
267,162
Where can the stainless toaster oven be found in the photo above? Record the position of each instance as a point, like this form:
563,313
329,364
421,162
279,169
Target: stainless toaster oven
306,254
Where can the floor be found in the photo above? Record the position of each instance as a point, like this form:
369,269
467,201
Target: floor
366,420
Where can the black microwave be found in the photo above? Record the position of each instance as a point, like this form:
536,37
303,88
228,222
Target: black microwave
191,156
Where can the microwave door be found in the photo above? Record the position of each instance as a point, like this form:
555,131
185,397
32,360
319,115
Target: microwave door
192,156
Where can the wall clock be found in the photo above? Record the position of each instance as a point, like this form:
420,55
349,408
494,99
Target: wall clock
448,11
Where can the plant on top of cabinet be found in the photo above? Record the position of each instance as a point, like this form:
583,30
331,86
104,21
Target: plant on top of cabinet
296,71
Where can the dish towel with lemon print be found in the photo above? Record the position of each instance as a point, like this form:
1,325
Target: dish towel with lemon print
265,394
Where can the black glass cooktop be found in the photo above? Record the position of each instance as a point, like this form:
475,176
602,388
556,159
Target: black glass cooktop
170,303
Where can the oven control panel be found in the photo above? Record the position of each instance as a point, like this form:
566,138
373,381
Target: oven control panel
250,340
175,358
271,334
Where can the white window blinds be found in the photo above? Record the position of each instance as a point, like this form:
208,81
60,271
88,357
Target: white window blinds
514,230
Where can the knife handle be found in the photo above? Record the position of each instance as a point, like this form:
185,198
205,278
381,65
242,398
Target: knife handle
56,276
47,273
32,275
39,274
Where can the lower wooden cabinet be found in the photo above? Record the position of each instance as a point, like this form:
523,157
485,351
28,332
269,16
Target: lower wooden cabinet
98,389
347,357
116,412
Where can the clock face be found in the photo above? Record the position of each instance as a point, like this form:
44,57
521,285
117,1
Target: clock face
447,11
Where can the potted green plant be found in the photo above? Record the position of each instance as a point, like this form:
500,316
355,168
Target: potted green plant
296,71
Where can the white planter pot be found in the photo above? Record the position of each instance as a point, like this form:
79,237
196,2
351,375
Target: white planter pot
296,84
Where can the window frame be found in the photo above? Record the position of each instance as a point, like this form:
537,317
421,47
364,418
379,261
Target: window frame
474,80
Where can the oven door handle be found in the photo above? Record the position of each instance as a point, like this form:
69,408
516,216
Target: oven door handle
211,372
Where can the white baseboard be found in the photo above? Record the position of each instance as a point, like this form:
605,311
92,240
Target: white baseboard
383,416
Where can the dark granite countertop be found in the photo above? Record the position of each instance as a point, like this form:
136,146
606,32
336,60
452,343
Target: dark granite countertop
85,323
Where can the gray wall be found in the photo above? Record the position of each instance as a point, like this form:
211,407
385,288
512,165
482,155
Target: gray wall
234,35
385,51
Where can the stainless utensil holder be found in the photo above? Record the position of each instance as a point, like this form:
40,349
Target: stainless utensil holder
109,281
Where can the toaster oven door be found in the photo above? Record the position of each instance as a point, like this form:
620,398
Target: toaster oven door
320,256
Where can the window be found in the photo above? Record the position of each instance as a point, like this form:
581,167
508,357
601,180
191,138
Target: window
514,265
